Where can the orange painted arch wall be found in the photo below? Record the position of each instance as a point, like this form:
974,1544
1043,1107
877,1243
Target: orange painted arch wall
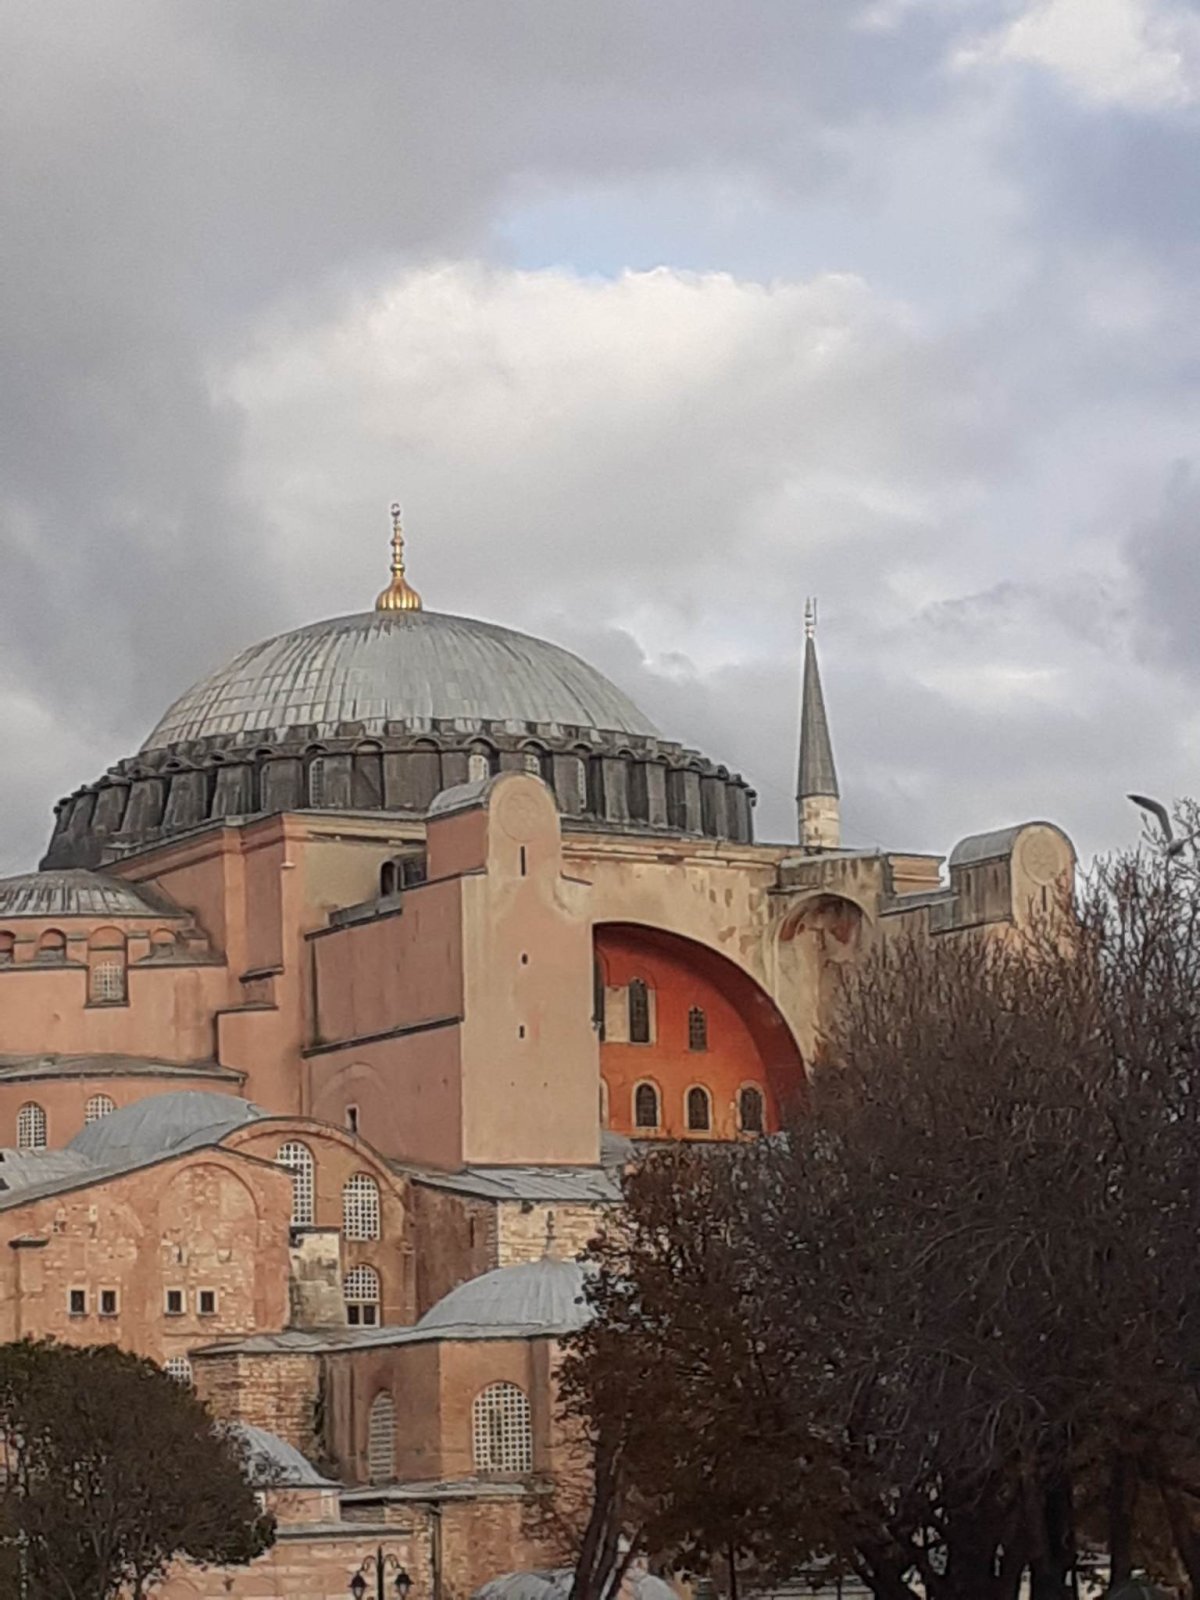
748,1043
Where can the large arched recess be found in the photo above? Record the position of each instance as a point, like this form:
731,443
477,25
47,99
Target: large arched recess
748,1042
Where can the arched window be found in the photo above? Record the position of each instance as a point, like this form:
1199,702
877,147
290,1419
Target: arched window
8,943
381,1439
479,763
639,1012
31,1127
179,1368
360,1208
316,782
360,1290
531,761
645,1106
106,968
52,947
750,1109
100,1105
697,1029
501,1430
298,1159
699,1111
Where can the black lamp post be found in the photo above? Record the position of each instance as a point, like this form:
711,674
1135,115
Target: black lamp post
379,1563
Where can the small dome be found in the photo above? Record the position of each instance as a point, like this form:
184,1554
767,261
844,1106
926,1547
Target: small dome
275,1463
161,1123
546,1295
74,892
395,666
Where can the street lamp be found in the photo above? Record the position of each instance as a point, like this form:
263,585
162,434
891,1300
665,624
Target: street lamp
380,1563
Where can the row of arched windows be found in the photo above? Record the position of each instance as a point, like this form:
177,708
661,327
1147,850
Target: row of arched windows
501,1433
361,1207
640,1022
106,960
33,1127
697,1109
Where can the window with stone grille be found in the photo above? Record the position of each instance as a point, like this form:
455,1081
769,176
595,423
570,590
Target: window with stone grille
179,1368
106,983
360,1208
697,1029
100,1105
531,760
699,1111
501,1430
750,1110
381,1439
31,1127
360,1290
298,1159
479,763
639,1012
316,782
645,1106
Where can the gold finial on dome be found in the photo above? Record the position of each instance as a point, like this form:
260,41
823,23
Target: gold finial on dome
399,594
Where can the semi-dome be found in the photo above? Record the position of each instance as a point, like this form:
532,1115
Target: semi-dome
73,892
395,666
545,1295
161,1123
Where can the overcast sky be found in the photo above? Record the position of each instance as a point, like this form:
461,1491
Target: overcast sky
657,318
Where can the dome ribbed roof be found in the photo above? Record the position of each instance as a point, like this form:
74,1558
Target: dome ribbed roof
73,892
546,1294
274,1463
162,1122
396,666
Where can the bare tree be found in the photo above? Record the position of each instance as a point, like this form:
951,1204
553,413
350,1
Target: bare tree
950,1323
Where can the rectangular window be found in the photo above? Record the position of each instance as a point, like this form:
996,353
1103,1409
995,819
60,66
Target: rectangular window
108,1302
362,1316
108,983
174,1302
206,1302
352,1118
77,1302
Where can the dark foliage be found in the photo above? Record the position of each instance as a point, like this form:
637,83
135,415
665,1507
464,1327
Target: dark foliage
111,1471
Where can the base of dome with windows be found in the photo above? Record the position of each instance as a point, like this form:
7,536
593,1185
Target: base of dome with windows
334,1015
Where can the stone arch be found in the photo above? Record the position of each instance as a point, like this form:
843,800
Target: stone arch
366,775
748,1039
817,942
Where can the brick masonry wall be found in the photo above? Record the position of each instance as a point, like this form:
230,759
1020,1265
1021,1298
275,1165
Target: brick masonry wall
455,1239
278,1392
207,1220
523,1228
313,1564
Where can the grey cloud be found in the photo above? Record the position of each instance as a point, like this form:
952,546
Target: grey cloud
175,178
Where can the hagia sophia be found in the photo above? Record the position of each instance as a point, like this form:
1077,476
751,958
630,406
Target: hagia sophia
332,1015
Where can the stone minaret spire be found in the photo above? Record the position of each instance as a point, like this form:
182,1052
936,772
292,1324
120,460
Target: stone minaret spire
817,810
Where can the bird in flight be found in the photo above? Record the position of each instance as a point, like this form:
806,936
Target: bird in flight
1171,845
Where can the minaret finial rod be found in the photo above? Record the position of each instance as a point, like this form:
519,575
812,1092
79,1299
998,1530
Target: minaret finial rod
810,618
399,594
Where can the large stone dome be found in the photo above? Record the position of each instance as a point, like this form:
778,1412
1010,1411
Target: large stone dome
383,711
395,666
